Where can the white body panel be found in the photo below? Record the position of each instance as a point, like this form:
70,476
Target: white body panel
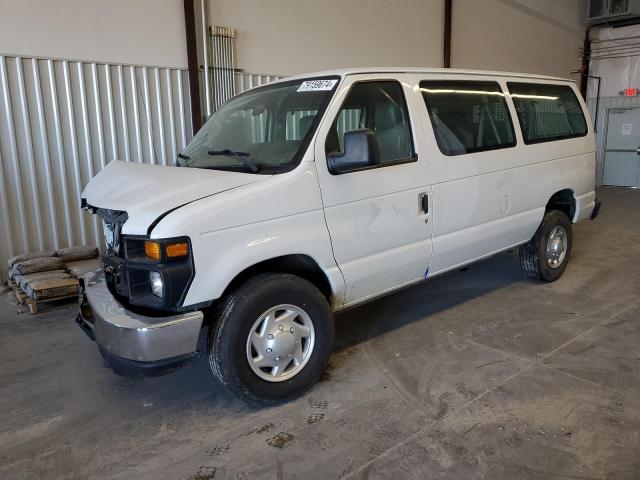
364,229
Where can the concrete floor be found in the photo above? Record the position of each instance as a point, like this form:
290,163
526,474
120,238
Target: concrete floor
477,374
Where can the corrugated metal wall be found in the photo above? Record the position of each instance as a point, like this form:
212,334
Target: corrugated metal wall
245,81
61,121
606,104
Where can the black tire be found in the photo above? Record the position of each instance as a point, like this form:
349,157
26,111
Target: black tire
533,255
237,312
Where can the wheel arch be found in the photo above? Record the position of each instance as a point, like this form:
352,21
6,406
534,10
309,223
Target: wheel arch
301,265
563,200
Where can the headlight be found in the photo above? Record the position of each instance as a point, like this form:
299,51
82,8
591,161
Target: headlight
157,287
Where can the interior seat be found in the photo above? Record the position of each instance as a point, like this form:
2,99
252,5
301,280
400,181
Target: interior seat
392,133
304,124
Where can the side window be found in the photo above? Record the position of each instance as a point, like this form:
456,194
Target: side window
468,116
379,106
547,112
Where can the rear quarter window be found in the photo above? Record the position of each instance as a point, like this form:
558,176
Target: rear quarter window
547,112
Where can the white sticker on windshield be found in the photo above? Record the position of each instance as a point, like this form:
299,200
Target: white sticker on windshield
316,85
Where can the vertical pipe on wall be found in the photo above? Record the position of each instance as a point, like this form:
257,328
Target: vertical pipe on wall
216,69
205,55
192,62
183,126
233,69
223,68
584,69
227,65
446,61
219,47
229,71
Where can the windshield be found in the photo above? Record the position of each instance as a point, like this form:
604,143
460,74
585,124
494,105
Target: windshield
265,130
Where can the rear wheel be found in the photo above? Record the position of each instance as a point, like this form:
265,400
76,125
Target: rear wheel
546,255
272,338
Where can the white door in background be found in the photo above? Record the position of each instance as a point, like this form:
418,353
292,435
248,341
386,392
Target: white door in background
622,150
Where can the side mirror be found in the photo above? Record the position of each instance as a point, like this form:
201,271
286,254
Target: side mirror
360,151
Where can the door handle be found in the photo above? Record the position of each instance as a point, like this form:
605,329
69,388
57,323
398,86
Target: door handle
424,202
638,151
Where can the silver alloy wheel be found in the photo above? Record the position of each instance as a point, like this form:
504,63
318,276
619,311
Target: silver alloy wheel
557,245
280,343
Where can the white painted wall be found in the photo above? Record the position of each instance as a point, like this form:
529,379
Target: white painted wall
617,73
295,36
536,36
145,32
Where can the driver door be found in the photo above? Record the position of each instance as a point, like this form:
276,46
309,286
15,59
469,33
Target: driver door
378,217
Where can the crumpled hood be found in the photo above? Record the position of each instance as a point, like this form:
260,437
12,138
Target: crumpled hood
146,192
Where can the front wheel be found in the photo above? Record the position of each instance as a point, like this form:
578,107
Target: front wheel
546,255
272,338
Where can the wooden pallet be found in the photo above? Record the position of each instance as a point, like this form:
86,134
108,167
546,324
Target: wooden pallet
32,303
21,297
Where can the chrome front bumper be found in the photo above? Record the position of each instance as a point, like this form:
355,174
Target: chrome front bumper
130,336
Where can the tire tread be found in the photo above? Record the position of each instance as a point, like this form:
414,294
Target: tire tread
531,262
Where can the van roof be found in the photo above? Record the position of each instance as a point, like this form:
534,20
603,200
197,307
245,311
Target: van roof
448,71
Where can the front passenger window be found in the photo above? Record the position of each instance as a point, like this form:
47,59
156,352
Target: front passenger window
380,107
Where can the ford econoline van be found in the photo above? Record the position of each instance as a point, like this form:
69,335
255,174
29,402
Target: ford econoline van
320,192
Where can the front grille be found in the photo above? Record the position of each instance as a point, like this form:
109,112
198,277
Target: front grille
113,220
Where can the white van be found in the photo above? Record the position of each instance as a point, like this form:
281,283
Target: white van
319,192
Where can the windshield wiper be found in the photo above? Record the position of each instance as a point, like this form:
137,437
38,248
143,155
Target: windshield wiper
240,156
182,156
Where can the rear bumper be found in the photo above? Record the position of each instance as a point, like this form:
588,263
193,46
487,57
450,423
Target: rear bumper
135,339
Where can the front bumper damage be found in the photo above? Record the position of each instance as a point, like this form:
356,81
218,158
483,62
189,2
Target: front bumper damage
133,341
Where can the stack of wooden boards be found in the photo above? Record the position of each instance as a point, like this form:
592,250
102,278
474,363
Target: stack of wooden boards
49,276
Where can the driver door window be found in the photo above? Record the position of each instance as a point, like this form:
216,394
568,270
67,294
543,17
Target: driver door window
380,107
